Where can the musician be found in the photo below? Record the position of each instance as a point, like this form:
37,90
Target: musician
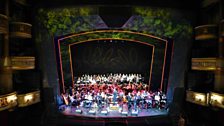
60,100
70,92
156,100
139,99
99,100
135,102
129,97
121,93
114,95
78,80
72,100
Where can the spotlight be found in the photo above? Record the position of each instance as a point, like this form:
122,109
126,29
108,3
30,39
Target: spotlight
111,40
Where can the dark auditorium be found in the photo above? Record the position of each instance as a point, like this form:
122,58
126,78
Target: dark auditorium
111,63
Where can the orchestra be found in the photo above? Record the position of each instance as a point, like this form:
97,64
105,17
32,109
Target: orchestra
109,78
91,91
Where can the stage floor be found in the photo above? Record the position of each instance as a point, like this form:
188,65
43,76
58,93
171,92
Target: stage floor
112,113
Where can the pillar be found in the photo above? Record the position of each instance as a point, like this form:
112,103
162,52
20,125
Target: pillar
6,83
219,73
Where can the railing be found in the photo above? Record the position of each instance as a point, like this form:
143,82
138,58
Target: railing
208,64
8,101
197,98
20,29
3,23
204,32
211,99
23,63
29,98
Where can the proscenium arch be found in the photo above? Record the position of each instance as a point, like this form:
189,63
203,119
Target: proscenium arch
64,43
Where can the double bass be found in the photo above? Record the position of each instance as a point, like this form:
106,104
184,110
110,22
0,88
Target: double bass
65,99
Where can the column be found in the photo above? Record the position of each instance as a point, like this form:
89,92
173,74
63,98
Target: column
5,62
219,73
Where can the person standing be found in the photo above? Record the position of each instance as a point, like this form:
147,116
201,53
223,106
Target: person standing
114,95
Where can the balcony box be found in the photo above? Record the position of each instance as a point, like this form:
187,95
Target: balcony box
28,98
8,101
3,24
216,100
197,98
23,63
206,32
20,30
207,64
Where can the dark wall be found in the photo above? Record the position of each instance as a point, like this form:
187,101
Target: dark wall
111,56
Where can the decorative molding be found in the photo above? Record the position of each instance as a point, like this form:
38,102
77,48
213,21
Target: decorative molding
23,63
8,101
197,98
3,24
28,99
207,64
205,32
20,29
